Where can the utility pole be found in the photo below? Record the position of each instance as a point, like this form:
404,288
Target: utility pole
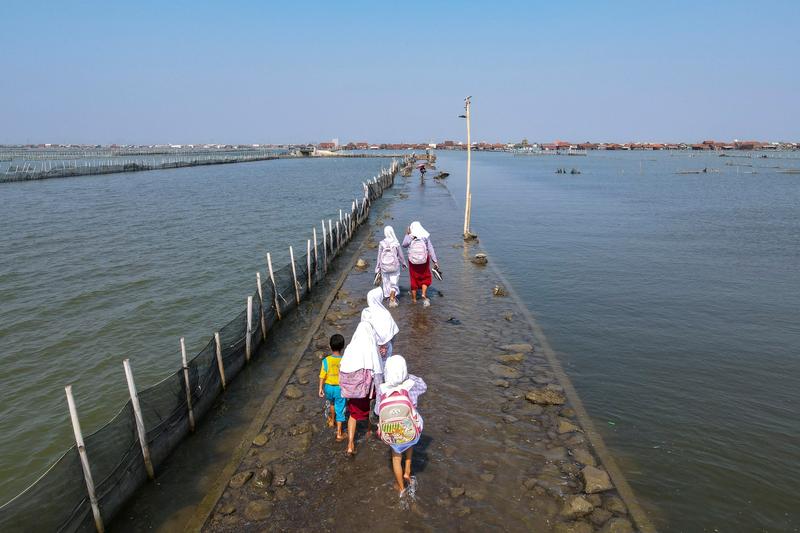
468,235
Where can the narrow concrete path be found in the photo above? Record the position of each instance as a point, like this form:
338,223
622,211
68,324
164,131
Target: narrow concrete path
502,449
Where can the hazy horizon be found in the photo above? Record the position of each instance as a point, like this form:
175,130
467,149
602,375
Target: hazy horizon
246,72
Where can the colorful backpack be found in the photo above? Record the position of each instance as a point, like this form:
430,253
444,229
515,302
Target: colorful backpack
418,252
389,261
398,420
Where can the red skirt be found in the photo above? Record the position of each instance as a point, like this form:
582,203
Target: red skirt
420,274
359,408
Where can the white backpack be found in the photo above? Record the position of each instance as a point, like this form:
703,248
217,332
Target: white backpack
389,261
418,252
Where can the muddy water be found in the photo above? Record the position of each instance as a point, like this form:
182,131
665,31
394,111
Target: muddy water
488,459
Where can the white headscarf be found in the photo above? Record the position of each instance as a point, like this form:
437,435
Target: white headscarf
391,238
395,374
379,317
362,352
418,231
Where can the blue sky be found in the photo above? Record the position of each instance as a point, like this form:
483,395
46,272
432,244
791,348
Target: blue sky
239,71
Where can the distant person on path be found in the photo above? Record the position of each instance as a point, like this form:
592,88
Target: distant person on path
360,367
400,424
390,261
420,254
329,385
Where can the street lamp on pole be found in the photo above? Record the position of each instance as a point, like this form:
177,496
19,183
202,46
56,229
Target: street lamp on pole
468,235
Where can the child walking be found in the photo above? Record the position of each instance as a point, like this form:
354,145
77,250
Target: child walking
400,424
420,256
329,385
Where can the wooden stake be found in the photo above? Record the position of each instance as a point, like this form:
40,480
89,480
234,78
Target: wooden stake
324,248
188,387
294,275
274,287
330,236
219,360
308,263
316,256
248,340
87,471
137,415
338,238
261,309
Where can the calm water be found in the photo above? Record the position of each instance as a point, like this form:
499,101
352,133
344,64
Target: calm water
674,302
97,269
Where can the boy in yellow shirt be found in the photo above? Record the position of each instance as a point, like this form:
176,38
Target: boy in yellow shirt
329,385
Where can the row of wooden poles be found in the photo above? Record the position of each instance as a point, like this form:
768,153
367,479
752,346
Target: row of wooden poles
46,166
337,235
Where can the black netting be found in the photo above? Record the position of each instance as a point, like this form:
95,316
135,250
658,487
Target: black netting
58,500
204,379
116,460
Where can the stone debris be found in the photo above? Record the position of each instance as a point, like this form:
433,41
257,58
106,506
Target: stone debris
361,263
258,510
260,440
510,358
575,507
617,525
518,347
480,259
293,392
503,371
573,527
501,383
499,290
600,516
615,505
227,509
545,396
565,426
238,480
263,479
456,492
583,456
595,480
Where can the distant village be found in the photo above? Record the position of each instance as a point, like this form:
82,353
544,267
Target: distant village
564,145
334,146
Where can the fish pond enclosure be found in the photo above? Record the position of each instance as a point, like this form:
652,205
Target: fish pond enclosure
90,482
18,164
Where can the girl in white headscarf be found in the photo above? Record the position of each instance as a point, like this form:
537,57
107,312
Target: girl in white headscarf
397,379
420,255
360,354
383,325
389,264
379,317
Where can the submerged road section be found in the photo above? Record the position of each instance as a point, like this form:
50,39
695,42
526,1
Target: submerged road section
506,444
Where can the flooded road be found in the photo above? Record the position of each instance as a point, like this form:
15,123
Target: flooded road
489,458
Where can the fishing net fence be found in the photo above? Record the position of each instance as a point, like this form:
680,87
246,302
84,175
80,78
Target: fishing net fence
114,457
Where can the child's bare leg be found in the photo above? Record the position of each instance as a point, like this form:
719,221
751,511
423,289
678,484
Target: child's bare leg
398,471
391,296
331,416
351,435
424,291
414,295
339,434
407,471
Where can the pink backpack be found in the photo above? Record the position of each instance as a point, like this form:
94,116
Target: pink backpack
356,384
398,420
418,252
